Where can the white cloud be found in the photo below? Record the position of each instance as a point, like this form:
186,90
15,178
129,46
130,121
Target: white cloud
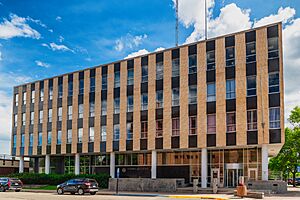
61,38
159,49
57,47
17,27
42,64
1,56
137,53
129,42
58,18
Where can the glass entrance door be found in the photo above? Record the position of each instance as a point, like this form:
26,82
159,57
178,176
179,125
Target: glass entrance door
232,177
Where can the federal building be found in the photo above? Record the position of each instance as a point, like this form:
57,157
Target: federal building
212,108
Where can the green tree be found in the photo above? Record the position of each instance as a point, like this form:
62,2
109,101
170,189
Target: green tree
288,159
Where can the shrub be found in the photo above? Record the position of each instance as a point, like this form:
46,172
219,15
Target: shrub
55,179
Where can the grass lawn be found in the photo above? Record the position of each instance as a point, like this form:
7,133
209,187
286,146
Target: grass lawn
44,187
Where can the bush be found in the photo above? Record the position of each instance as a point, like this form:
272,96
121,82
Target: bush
55,179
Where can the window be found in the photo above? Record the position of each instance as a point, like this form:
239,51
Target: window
31,117
92,109
129,131
273,48
130,77
59,115
16,120
92,84
211,92
251,120
24,98
91,134
42,94
104,82
144,73
41,116
130,104
175,127
159,99
49,137
103,107
116,105
40,137
116,132
23,119
50,92
69,136
193,64
15,141
211,123
23,140
230,57
230,121
159,70
175,67
60,90
274,118
103,134
230,89
144,101
80,111
50,115
210,60
16,99
81,86
31,140
159,128
58,138
79,136
250,52
193,125
274,83
117,79
175,97
70,88
32,96
251,86
193,94
70,111
144,130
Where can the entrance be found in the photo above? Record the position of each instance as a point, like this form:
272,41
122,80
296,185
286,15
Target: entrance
232,173
252,174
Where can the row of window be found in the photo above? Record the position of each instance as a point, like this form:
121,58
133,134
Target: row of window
274,123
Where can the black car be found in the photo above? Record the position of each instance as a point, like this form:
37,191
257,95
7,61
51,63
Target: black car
10,184
80,186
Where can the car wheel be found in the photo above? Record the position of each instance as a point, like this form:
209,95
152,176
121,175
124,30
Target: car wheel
2,189
92,193
80,191
60,191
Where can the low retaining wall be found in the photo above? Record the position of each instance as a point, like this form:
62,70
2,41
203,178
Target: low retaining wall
144,184
274,186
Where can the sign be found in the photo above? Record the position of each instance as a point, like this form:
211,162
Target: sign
118,172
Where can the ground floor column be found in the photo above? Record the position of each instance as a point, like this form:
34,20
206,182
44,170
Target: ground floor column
153,164
77,164
204,168
21,164
112,164
264,162
47,164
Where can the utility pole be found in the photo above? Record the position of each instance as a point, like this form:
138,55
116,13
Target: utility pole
205,20
176,26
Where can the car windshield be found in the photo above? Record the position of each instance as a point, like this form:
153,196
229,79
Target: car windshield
3,180
15,179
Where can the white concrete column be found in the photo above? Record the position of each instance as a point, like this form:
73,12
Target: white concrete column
153,164
47,164
204,168
77,164
112,165
264,162
21,164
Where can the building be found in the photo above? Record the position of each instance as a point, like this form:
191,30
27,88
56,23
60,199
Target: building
11,165
213,108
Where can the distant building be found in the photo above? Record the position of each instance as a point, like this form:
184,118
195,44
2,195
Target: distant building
9,165
213,108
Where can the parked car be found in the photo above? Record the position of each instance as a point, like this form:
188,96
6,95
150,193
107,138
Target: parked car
10,184
80,186
297,181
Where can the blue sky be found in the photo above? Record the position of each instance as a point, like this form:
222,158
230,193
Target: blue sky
40,39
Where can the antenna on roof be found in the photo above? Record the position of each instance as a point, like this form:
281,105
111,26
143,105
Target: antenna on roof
205,21
176,26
